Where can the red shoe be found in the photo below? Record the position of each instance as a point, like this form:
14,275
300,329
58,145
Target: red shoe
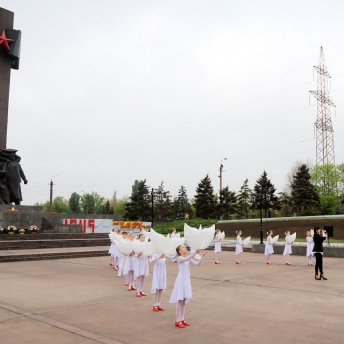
185,323
309,264
268,263
129,289
160,308
179,324
217,262
138,294
133,288
126,283
312,264
143,294
111,264
155,309
115,268
287,263
237,263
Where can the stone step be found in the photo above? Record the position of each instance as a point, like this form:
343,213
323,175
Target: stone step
52,243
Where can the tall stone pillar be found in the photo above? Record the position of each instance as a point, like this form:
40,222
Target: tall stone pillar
6,22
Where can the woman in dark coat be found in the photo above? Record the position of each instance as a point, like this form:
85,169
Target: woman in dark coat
318,253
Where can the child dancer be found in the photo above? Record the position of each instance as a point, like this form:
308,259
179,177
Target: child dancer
158,280
111,252
269,250
310,245
121,258
141,269
182,292
129,266
217,248
238,248
287,249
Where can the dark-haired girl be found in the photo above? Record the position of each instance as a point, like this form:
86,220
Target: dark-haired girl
269,250
238,247
141,269
182,292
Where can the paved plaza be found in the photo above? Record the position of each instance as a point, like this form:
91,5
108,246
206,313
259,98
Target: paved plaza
83,301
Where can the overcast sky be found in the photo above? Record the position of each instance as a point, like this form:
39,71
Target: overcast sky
113,91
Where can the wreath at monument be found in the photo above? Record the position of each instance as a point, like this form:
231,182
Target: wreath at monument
11,229
33,228
1,230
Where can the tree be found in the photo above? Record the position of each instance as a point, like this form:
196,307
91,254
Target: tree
304,195
59,205
328,181
285,203
183,201
244,199
119,208
205,202
74,203
106,208
227,203
264,187
135,187
162,207
137,208
91,203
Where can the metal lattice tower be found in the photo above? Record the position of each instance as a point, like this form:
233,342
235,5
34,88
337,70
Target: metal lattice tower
323,123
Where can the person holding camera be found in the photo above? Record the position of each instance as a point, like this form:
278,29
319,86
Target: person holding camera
318,250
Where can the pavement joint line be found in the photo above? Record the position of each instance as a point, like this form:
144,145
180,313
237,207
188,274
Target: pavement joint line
283,288
57,324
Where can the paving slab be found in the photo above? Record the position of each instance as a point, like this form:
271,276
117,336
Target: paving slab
84,301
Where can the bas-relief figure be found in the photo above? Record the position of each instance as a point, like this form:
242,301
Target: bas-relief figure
11,175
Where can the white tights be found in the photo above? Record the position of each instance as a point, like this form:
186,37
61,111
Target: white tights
130,278
288,256
309,259
217,257
157,297
268,257
180,310
140,281
237,257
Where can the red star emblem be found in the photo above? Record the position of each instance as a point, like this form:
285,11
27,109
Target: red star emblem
4,40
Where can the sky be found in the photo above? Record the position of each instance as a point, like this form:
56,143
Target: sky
113,91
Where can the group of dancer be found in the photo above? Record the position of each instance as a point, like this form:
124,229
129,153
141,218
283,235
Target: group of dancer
314,248
135,267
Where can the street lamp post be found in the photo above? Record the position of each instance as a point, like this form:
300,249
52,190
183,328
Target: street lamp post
260,198
153,194
221,170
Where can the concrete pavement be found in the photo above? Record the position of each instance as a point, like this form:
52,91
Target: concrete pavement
83,301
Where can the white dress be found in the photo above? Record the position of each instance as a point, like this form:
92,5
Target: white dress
238,248
217,248
268,246
310,245
182,285
141,267
287,249
111,249
159,273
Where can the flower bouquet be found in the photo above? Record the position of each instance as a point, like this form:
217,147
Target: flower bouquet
33,229
11,229
21,231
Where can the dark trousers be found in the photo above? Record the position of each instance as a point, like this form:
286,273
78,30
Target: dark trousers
318,263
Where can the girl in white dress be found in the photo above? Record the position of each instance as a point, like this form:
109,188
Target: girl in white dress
182,292
217,248
310,245
121,258
287,249
158,279
141,269
129,266
269,250
238,248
